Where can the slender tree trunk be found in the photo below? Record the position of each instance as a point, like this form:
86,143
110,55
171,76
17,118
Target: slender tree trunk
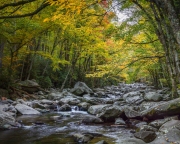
2,44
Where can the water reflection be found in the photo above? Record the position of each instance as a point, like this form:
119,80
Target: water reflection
57,128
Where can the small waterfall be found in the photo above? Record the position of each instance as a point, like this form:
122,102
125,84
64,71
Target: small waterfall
57,107
75,108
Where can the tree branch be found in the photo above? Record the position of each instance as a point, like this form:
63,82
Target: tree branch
144,42
28,14
139,59
16,3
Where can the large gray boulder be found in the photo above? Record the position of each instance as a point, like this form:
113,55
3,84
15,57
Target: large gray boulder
162,110
96,101
6,121
96,109
26,110
84,106
133,97
146,136
169,133
130,113
110,113
80,88
69,100
91,119
30,86
82,138
153,96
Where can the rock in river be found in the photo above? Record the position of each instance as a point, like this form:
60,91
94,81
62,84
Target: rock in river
25,110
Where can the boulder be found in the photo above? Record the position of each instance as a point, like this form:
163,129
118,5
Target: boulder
110,113
26,110
130,113
153,96
146,136
84,106
101,142
30,86
169,125
147,128
92,119
96,109
158,123
168,133
36,104
119,121
80,88
45,101
96,101
69,100
65,107
133,97
162,110
7,121
82,138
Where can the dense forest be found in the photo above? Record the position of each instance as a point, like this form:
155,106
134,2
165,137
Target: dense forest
60,42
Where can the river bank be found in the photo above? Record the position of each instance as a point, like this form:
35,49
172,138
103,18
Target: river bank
124,114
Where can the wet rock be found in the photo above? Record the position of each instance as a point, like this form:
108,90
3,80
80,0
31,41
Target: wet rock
56,117
153,96
96,109
45,101
101,142
92,119
100,94
6,121
133,122
96,101
119,121
65,107
38,105
80,88
21,101
142,123
84,106
131,94
147,105
55,96
69,100
169,133
164,109
147,128
130,141
119,103
130,113
158,123
146,136
12,109
42,110
39,123
109,113
25,110
82,138
169,125
29,86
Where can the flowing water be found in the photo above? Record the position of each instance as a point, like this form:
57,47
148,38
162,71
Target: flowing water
47,129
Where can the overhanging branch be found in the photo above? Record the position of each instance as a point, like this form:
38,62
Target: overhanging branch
43,5
16,3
